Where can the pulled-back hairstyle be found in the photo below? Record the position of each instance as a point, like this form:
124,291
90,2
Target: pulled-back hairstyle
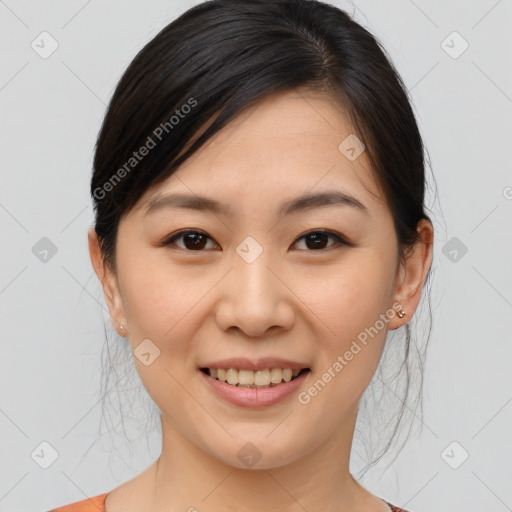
221,57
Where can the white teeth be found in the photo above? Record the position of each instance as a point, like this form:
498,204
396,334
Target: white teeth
245,377
252,379
287,375
262,377
232,376
276,375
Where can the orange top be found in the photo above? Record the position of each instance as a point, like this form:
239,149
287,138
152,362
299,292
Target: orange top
97,504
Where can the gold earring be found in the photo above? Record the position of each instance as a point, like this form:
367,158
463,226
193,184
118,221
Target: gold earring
401,314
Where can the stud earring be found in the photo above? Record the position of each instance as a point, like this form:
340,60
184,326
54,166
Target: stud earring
401,314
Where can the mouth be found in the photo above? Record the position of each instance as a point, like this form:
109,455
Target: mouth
259,379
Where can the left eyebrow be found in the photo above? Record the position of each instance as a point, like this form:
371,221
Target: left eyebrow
327,198
298,204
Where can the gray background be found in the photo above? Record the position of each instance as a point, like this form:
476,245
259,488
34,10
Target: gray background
51,311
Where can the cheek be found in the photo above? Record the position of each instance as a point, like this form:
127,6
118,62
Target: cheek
353,304
157,298
350,296
353,301
161,306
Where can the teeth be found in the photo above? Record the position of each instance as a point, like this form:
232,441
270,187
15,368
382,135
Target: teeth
232,376
245,377
253,379
262,377
276,375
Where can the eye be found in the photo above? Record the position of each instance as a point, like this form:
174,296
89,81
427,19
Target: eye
193,240
316,240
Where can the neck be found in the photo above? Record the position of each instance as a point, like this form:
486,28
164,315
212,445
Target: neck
185,477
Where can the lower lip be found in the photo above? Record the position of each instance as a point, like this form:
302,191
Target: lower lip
248,397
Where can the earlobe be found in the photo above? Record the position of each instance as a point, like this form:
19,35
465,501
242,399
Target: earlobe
412,274
108,282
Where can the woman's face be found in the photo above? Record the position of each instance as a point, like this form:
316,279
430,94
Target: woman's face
261,285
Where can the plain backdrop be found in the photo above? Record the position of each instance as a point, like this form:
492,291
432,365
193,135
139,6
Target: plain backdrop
455,58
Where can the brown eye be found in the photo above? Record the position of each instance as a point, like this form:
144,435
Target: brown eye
193,240
319,240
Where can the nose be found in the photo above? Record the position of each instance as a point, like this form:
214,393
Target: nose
254,298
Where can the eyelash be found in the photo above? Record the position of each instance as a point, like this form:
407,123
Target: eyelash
340,241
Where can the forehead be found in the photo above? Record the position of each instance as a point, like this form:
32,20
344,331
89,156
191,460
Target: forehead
286,144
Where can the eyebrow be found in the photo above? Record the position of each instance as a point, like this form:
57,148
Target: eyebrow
298,204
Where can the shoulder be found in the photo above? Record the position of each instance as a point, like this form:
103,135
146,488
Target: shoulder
94,504
394,508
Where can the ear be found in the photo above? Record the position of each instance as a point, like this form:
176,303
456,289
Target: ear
412,275
109,283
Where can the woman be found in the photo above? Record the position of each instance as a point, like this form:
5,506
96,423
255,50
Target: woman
260,227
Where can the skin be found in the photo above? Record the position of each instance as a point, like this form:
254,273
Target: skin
294,301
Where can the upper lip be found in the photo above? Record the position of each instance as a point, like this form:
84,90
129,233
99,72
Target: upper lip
264,363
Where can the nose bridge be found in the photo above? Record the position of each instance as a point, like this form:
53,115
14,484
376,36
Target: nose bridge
254,278
254,300
254,283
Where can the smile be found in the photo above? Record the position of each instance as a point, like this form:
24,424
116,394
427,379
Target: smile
260,379
269,387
